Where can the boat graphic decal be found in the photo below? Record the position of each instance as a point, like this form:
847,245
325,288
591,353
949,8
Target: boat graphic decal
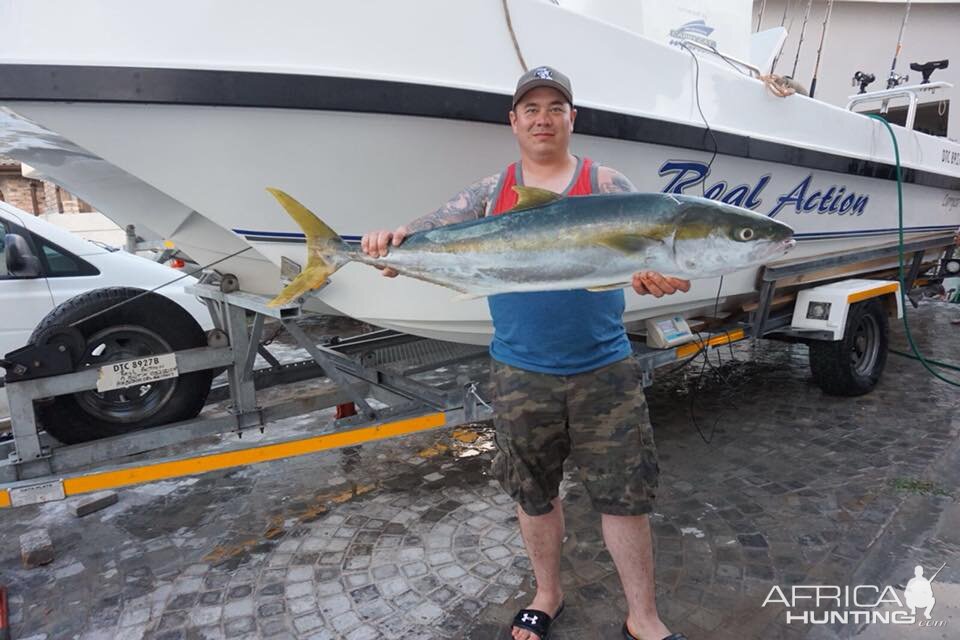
805,197
696,30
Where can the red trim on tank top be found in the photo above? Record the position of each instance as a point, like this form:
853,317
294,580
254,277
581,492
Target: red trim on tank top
508,197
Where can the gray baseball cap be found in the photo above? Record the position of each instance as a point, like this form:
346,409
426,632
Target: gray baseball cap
543,77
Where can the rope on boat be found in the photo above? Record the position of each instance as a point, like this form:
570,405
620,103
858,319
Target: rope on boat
779,86
513,35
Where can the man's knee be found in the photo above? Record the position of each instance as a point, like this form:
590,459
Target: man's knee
538,510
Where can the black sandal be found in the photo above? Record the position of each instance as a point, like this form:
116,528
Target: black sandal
629,636
536,621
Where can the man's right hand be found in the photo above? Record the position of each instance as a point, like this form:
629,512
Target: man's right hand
376,244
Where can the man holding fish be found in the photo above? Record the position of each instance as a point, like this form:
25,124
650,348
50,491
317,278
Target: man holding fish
565,381
553,269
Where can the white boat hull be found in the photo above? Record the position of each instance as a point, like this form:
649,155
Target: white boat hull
362,170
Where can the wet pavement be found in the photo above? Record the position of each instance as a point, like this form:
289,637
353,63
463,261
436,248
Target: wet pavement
765,482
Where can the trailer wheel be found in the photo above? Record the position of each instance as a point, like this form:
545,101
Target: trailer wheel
149,325
853,366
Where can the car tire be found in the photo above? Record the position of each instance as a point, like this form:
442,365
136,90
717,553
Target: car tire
853,366
115,326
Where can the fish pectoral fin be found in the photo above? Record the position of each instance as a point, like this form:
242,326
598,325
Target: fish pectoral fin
531,197
608,287
311,278
630,243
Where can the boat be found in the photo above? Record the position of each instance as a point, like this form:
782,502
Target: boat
177,115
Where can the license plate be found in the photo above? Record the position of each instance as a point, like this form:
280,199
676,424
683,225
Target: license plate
37,493
130,373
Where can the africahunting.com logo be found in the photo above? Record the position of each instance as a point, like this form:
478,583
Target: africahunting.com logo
860,604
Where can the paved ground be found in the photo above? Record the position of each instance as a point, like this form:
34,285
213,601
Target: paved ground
411,539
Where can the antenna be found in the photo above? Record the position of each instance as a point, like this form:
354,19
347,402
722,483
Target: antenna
803,28
823,37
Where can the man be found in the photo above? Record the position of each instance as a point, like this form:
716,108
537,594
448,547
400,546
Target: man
565,382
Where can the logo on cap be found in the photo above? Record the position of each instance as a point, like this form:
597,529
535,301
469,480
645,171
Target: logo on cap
543,73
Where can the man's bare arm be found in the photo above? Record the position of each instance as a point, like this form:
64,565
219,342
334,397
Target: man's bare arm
612,181
644,282
469,204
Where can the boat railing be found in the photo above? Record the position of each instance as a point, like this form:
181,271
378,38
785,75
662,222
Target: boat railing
911,93
751,68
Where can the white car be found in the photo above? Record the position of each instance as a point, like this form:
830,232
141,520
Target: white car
51,279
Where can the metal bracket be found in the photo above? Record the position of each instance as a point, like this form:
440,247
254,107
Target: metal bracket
912,275
647,377
326,363
759,319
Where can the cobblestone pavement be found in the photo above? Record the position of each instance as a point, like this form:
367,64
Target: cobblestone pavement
411,539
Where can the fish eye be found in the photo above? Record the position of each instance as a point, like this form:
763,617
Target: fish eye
745,234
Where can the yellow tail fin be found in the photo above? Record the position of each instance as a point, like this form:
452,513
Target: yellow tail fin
324,246
311,278
312,226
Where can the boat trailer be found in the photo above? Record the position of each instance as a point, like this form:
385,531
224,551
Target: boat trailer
374,379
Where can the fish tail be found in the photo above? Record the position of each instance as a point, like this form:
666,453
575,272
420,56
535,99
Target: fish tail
326,250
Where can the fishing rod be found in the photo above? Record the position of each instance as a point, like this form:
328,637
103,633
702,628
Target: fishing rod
934,576
783,21
803,27
893,80
786,7
823,37
763,5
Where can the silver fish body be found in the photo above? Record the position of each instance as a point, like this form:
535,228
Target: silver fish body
584,242
589,242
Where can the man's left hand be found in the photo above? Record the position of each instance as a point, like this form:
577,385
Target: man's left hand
658,285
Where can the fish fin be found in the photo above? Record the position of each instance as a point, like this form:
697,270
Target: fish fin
532,197
311,278
326,251
630,243
608,287
307,220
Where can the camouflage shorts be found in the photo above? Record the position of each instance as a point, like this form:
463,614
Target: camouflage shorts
599,419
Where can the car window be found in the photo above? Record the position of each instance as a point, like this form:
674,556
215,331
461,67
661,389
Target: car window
58,262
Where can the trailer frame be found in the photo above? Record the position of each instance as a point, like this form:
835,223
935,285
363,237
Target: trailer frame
35,470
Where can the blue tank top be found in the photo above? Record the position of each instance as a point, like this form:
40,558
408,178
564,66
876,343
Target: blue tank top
556,332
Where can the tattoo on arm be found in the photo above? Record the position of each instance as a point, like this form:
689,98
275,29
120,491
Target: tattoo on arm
469,204
612,181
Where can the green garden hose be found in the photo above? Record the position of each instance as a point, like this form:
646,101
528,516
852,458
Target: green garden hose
935,363
900,274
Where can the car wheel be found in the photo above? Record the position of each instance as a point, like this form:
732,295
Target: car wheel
116,327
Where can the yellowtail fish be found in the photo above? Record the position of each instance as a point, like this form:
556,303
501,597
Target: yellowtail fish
548,242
